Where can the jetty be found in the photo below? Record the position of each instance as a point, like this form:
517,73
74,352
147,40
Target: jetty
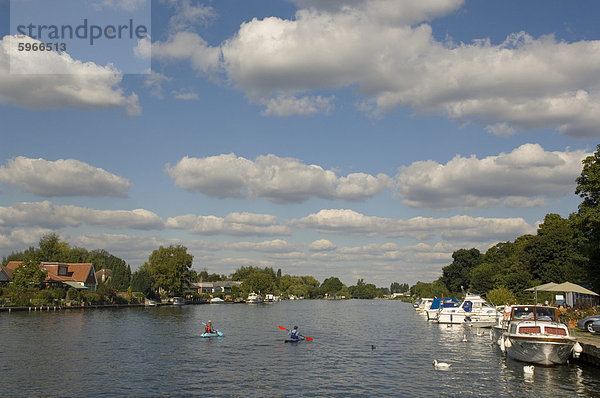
591,350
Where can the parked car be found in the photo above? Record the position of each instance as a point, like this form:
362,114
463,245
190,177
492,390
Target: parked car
596,326
586,323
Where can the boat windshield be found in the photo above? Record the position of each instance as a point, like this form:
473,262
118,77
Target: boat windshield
538,313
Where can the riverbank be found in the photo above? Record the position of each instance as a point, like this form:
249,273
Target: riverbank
49,308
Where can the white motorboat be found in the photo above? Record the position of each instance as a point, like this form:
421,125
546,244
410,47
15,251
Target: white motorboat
437,305
535,335
254,298
178,301
423,305
216,300
472,309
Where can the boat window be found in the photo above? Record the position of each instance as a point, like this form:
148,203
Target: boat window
545,314
522,313
467,306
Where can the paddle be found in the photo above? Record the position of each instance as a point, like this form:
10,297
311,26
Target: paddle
287,330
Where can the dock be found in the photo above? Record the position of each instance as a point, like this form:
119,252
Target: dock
591,350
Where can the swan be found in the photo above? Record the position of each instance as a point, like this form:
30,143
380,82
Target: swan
528,370
464,337
440,365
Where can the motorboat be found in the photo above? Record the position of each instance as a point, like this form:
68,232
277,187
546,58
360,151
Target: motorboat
216,300
254,298
535,335
473,308
438,304
178,301
424,304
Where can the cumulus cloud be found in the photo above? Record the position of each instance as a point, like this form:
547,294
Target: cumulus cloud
521,178
322,245
22,238
47,215
49,80
232,224
63,177
281,180
386,50
454,229
189,46
285,105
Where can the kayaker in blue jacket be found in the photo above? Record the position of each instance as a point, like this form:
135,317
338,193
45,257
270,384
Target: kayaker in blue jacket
294,335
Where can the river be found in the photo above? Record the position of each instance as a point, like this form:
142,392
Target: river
360,348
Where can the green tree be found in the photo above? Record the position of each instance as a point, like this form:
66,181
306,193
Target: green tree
169,267
457,275
363,290
28,276
587,218
141,281
331,285
500,295
121,272
258,281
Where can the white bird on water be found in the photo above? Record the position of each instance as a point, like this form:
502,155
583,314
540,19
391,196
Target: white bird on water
528,370
440,365
465,338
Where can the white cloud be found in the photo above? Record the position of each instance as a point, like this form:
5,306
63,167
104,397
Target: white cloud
126,5
185,95
47,215
189,46
232,224
384,49
322,245
188,15
63,177
271,246
22,238
520,178
286,105
49,80
281,180
154,81
453,229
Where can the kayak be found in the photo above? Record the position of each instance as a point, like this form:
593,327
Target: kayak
293,340
217,334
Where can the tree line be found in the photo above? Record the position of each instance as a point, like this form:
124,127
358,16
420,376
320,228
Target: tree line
563,249
168,272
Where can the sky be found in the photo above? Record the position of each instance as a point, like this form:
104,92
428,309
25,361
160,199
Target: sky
358,139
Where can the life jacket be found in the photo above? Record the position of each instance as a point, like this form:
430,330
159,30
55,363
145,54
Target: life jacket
208,329
294,333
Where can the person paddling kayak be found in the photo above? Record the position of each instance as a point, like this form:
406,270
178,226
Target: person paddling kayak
294,333
208,328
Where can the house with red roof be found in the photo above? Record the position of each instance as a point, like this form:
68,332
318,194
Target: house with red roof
81,276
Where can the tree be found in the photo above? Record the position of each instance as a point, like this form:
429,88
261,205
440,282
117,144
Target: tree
363,290
169,268
141,281
331,285
587,219
396,287
457,275
500,296
258,282
28,276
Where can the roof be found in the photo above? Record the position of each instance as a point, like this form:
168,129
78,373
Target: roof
76,272
13,265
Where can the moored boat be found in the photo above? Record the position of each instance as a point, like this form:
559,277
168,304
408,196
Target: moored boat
472,308
216,300
535,335
437,305
254,298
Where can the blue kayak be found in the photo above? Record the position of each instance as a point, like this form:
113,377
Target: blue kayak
216,334
294,340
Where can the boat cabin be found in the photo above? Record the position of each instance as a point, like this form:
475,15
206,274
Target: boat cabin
533,313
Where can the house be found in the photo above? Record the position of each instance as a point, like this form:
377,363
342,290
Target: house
81,276
4,278
215,287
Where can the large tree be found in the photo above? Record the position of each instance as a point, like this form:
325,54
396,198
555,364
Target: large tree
457,276
28,276
587,218
169,267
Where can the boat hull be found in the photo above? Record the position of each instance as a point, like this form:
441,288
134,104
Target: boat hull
540,350
207,335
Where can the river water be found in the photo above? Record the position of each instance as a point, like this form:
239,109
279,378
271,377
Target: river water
158,352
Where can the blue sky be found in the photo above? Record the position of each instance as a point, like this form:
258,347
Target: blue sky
360,139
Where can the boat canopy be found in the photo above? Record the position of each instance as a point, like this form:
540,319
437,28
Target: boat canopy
450,302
